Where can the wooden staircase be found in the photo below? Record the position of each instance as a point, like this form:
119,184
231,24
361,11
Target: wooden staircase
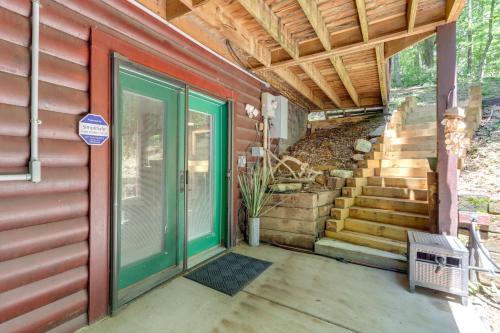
388,195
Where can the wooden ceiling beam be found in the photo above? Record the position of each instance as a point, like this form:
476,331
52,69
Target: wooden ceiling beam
311,10
315,75
363,20
296,83
158,7
411,14
344,77
213,13
263,14
271,23
382,78
355,47
453,9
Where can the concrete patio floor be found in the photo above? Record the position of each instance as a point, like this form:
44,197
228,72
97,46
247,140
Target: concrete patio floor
298,293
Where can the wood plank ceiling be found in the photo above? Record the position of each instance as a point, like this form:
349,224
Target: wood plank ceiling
321,54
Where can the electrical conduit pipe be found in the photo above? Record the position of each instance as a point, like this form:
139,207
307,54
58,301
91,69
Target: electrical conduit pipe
35,167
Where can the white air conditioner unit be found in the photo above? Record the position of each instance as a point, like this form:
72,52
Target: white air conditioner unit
279,124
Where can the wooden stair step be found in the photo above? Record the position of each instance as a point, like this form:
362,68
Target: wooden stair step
360,254
369,164
401,172
403,219
374,242
395,192
385,230
414,139
416,132
390,155
430,146
404,182
422,118
405,163
422,113
400,205
420,126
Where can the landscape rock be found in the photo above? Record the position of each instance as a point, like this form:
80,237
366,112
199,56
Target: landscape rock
358,157
285,187
374,141
377,132
363,145
342,173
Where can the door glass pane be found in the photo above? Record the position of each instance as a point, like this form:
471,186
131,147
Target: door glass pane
142,178
200,173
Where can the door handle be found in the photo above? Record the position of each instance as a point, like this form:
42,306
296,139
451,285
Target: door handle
182,180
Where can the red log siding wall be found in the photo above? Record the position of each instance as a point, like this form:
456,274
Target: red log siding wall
44,227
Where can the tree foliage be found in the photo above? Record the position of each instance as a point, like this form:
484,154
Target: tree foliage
478,49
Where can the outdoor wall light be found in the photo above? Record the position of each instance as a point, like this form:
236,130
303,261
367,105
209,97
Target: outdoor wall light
456,139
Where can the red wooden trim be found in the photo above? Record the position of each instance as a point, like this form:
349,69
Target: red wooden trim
100,186
447,163
102,46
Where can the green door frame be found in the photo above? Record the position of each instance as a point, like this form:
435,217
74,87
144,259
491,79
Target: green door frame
225,184
218,109
139,277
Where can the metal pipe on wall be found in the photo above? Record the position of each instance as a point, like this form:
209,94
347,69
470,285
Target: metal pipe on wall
35,167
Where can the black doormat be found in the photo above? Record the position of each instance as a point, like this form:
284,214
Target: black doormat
229,273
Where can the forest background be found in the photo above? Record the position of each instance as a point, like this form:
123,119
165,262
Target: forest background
478,53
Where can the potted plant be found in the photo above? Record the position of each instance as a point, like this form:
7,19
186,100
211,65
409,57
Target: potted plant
254,191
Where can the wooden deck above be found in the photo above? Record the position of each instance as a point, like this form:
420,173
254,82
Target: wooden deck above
321,54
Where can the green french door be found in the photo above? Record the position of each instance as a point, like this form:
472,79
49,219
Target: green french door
207,170
148,192
169,175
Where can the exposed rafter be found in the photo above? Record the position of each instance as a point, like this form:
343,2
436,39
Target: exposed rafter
295,82
382,78
355,47
321,82
346,80
213,13
311,10
411,14
315,18
363,21
453,9
271,23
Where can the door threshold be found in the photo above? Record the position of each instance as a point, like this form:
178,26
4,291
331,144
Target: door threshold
204,256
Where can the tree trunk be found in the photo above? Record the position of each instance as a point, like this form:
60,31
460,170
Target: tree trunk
428,52
396,71
416,60
482,62
469,39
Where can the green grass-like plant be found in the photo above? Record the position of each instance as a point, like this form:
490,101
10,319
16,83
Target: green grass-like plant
254,190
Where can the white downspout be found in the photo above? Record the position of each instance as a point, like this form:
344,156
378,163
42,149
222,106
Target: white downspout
35,168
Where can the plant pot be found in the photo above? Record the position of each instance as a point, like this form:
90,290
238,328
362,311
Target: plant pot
253,231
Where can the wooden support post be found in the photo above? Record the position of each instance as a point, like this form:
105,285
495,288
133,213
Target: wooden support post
432,198
446,98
